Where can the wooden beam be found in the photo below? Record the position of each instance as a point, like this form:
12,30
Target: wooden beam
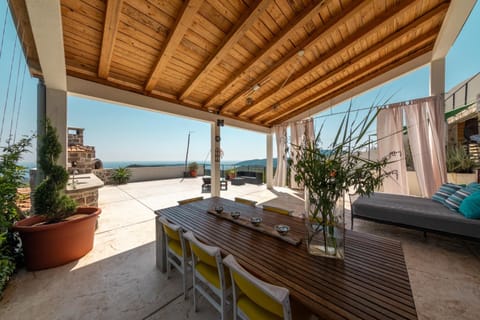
238,31
353,39
110,27
177,32
393,37
307,14
107,93
350,11
362,75
360,88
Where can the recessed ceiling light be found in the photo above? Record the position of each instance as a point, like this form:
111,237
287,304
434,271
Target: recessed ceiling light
256,87
301,53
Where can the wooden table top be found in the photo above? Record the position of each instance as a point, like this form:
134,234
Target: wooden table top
371,283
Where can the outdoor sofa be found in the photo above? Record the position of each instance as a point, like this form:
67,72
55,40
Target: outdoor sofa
414,212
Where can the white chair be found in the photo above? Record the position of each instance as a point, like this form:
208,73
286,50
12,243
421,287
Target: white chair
178,253
254,298
209,271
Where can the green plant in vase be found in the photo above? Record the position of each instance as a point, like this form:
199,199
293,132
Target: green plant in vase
328,174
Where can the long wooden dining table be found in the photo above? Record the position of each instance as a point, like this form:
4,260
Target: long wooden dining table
370,283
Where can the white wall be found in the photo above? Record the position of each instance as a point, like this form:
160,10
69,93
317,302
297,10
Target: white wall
158,173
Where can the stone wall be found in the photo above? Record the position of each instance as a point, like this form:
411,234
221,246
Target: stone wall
104,174
75,136
85,197
80,158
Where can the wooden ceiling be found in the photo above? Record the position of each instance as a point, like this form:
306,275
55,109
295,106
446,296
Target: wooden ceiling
262,62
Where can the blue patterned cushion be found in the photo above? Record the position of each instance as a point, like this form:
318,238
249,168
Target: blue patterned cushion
445,191
453,202
474,186
470,207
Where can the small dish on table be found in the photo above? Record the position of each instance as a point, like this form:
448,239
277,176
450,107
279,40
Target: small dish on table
256,221
282,229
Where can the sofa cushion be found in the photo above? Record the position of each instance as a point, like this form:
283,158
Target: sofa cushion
415,212
445,191
470,206
453,202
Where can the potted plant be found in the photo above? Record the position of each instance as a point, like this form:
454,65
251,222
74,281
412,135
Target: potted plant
193,167
58,232
11,179
121,175
231,173
460,166
327,175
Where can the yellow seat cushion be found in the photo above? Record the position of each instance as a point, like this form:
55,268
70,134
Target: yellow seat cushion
254,311
276,210
255,294
176,247
211,274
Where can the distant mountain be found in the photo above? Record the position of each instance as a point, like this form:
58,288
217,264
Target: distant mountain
255,163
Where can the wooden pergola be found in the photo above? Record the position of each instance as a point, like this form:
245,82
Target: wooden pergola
254,64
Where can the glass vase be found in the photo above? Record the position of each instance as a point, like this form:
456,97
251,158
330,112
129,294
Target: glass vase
326,237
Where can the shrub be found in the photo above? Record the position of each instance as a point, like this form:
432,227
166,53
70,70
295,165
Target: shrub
458,160
121,175
50,198
11,178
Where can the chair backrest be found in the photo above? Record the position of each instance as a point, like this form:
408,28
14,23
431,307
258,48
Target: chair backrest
174,232
209,255
246,201
278,210
271,298
185,201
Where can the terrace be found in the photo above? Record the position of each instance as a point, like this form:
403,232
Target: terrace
119,279
255,65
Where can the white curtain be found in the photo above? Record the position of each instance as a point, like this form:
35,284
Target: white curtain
436,115
301,132
390,145
280,177
418,136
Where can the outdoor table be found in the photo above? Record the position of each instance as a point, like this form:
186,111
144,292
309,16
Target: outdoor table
371,283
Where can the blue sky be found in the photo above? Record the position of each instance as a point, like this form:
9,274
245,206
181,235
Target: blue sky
126,134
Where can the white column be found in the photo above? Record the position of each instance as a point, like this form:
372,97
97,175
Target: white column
437,77
269,177
215,159
56,111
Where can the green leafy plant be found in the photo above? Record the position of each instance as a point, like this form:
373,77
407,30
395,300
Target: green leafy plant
50,198
193,166
121,175
11,178
458,160
329,173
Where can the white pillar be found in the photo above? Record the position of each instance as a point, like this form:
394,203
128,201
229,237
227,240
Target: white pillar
56,111
269,177
52,104
215,159
437,77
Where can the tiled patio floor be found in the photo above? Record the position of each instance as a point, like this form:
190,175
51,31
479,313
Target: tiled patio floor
119,279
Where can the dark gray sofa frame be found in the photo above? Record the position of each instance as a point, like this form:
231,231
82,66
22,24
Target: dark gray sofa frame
414,213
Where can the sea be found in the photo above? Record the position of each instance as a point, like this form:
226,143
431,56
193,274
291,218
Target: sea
120,164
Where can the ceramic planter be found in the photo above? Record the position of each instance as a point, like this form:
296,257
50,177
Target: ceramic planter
50,245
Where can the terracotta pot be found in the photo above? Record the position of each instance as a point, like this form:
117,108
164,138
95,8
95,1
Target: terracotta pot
50,245
193,173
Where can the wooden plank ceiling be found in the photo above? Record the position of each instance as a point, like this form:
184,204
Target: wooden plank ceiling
257,61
